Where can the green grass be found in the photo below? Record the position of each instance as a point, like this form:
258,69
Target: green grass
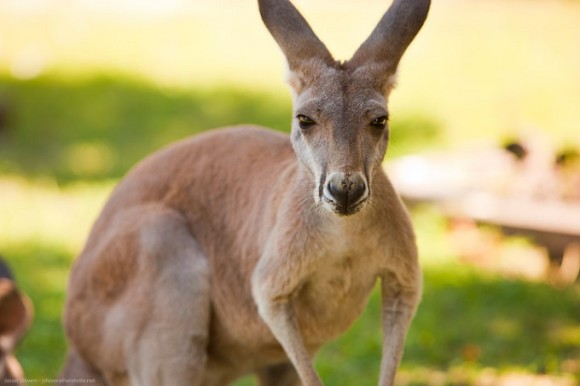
468,321
98,128
42,228
42,272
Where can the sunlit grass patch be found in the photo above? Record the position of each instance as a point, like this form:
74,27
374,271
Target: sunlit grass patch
41,212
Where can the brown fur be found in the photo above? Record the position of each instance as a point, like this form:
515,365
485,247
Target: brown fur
227,253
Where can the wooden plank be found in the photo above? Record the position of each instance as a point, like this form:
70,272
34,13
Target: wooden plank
520,214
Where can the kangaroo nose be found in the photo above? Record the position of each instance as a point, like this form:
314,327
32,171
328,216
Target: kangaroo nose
347,190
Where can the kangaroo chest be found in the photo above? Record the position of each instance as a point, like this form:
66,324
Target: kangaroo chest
335,293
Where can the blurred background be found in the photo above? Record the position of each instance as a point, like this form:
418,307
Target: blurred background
87,88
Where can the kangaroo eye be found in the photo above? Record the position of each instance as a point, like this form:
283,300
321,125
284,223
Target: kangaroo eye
305,122
380,122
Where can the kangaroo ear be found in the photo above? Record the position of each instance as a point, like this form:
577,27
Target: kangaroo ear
391,37
15,314
293,34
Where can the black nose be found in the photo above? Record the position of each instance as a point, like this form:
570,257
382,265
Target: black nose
346,190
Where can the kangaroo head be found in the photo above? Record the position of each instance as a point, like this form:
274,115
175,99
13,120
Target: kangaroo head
340,126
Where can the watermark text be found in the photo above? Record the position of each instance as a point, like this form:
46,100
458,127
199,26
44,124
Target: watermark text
50,381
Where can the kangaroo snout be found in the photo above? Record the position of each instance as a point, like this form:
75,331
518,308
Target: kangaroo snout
345,192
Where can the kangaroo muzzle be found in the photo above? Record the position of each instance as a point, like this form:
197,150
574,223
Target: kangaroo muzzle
345,193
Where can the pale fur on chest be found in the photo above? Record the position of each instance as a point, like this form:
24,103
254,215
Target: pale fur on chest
343,274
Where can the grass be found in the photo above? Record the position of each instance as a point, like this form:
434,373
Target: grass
43,227
78,108
113,122
467,321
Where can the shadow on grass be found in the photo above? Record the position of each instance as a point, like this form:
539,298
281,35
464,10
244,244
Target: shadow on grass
468,316
98,128
468,320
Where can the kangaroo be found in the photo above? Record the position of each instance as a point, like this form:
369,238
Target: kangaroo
243,250
16,313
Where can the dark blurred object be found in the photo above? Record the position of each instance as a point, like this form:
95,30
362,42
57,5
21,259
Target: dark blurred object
3,117
568,170
567,156
5,271
517,149
16,314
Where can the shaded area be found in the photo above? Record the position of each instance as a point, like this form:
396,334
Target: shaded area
467,321
488,320
98,128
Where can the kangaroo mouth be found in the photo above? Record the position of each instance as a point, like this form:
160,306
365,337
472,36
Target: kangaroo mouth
343,208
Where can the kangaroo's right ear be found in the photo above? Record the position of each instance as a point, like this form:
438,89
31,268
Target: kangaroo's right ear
298,42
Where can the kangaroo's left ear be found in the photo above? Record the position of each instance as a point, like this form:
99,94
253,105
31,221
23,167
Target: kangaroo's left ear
384,48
